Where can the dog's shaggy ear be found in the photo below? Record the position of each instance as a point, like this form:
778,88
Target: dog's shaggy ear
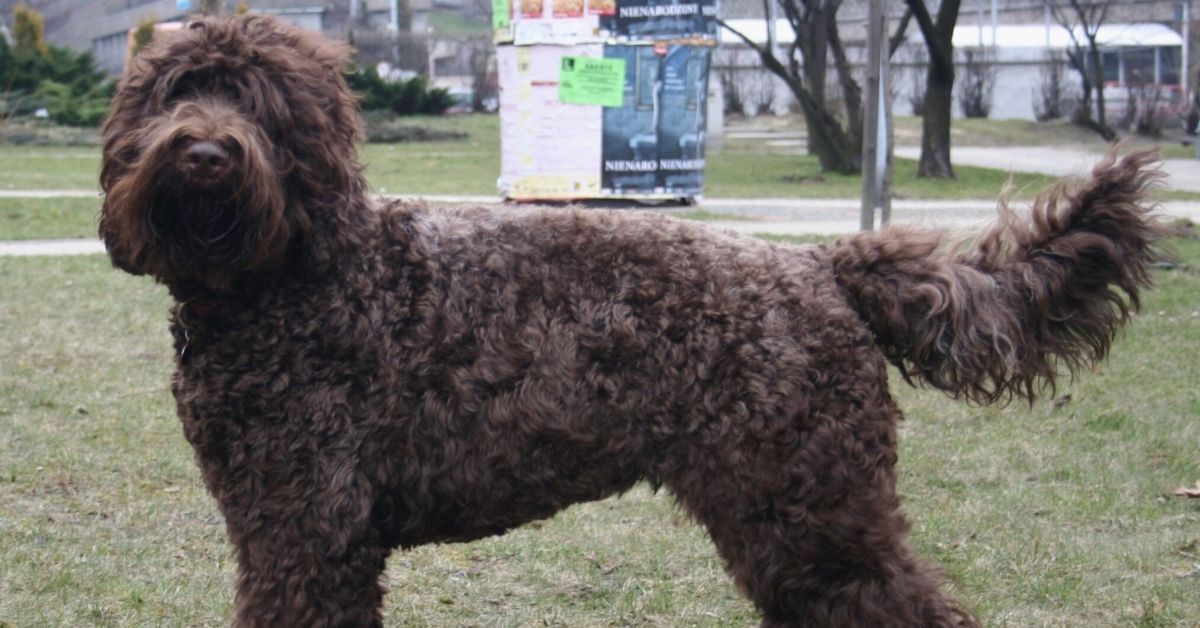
320,124
305,63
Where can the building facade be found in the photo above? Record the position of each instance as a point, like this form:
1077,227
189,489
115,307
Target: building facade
103,26
1153,42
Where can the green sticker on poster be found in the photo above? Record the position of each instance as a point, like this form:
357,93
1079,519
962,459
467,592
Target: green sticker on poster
500,11
592,81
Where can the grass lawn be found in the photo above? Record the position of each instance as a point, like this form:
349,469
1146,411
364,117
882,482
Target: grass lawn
749,172
1059,515
471,166
741,169
49,167
30,218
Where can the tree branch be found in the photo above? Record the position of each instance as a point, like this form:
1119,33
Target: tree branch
901,31
940,52
768,57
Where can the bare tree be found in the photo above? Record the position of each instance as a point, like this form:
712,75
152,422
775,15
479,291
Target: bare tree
814,43
917,72
1082,19
1193,114
747,92
480,52
978,82
1052,98
1147,112
938,34
209,7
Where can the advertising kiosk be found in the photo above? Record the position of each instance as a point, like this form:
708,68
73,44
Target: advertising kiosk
603,99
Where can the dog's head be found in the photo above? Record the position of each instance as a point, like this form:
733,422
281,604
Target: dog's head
229,149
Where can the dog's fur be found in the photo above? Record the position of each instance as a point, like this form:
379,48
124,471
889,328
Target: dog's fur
356,378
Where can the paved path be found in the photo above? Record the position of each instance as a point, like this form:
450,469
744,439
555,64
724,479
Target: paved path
27,248
755,216
49,194
1183,174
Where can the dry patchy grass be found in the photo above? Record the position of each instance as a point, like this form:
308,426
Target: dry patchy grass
1059,515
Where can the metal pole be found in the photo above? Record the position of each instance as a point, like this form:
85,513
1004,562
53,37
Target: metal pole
995,19
772,16
885,119
1185,82
1048,17
870,145
979,20
395,17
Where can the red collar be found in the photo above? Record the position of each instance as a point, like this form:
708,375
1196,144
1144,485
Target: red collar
205,310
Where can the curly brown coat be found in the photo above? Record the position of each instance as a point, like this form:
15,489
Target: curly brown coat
356,378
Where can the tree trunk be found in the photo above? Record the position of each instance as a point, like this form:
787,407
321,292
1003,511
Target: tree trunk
1087,16
1098,83
814,23
811,37
826,139
939,87
935,123
851,92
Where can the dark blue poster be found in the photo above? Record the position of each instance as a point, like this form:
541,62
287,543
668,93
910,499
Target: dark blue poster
654,142
640,20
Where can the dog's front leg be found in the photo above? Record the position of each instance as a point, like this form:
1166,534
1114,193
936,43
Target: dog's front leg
306,574
307,552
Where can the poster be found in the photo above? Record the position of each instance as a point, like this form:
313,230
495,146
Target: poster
502,21
549,149
569,22
564,22
591,81
642,20
654,143
602,7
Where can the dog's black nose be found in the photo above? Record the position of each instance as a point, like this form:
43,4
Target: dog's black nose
205,159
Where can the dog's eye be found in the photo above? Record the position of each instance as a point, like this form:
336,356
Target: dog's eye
201,83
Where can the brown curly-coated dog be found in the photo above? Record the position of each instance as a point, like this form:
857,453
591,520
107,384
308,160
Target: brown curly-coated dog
358,377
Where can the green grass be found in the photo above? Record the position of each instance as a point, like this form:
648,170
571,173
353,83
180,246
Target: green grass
1178,151
752,173
49,167
1050,516
471,166
451,23
988,132
468,166
28,218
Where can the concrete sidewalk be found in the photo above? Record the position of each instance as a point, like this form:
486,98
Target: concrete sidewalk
31,248
751,216
1182,174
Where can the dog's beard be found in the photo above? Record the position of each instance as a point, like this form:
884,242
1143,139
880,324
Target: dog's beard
202,229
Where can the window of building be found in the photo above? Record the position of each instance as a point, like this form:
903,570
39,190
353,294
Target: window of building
1168,65
1111,61
1139,65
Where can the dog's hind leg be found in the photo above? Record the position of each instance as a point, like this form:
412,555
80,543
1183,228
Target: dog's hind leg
808,522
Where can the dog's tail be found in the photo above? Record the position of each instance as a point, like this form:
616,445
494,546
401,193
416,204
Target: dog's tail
995,316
